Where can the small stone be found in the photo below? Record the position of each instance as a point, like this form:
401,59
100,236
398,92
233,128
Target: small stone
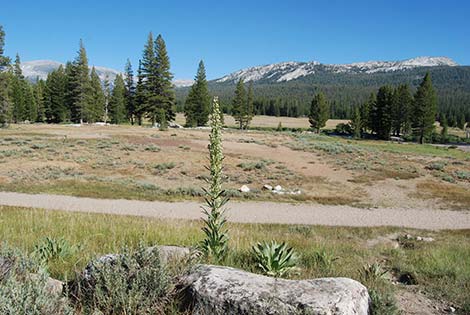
408,236
452,309
245,189
268,187
278,188
419,238
428,239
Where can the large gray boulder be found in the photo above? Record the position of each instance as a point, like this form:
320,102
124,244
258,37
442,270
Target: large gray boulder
222,290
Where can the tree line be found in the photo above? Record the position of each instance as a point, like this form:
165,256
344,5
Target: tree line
392,111
346,91
74,93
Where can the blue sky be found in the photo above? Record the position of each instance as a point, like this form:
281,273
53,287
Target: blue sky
229,35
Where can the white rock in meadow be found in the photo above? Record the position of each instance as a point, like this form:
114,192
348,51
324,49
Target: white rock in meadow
245,189
278,188
268,187
221,290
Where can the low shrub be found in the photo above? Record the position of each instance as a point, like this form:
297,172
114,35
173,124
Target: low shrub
165,166
131,283
23,287
152,148
436,166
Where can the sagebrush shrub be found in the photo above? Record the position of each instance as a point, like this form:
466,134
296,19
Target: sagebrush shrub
24,289
131,283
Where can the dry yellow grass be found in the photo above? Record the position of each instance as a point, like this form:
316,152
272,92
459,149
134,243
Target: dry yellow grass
273,122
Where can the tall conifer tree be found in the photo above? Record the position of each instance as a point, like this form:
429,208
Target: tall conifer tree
319,112
239,104
164,98
4,97
130,92
117,103
97,101
424,109
80,87
39,90
197,105
381,113
249,106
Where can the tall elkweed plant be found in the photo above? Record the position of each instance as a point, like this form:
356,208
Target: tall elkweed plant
214,245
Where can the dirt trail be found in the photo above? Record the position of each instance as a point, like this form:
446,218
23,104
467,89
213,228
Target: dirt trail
251,212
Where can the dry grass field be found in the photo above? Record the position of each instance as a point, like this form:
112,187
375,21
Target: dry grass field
261,121
148,164
145,163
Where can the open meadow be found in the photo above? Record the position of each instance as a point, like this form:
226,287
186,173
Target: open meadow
134,162
141,163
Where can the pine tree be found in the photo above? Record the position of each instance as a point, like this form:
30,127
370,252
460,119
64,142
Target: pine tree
164,98
401,111
17,92
140,95
55,97
197,105
107,96
365,113
444,130
239,104
461,121
424,109
97,99
319,112
117,103
130,92
381,113
356,123
249,106
39,90
80,87
31,110
4,79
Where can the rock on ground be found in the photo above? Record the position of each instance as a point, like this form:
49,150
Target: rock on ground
222,290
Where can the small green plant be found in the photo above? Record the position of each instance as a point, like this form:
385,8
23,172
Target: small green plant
249,166
279,126
462,175
324,260
152,148
274,259
215,244
51,249
165,166
383,302
372,273
436,166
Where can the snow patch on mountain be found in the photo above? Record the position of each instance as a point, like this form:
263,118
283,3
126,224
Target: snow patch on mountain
39,69
287,71
183,82
35,69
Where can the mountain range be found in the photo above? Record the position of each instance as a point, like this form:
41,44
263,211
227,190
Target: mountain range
295,83
279,72
287,71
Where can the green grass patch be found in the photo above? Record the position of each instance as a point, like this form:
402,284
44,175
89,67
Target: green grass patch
442,267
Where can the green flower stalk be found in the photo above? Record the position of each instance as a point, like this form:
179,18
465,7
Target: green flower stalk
214,246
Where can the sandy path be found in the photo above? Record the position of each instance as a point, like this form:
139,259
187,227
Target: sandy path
252,212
